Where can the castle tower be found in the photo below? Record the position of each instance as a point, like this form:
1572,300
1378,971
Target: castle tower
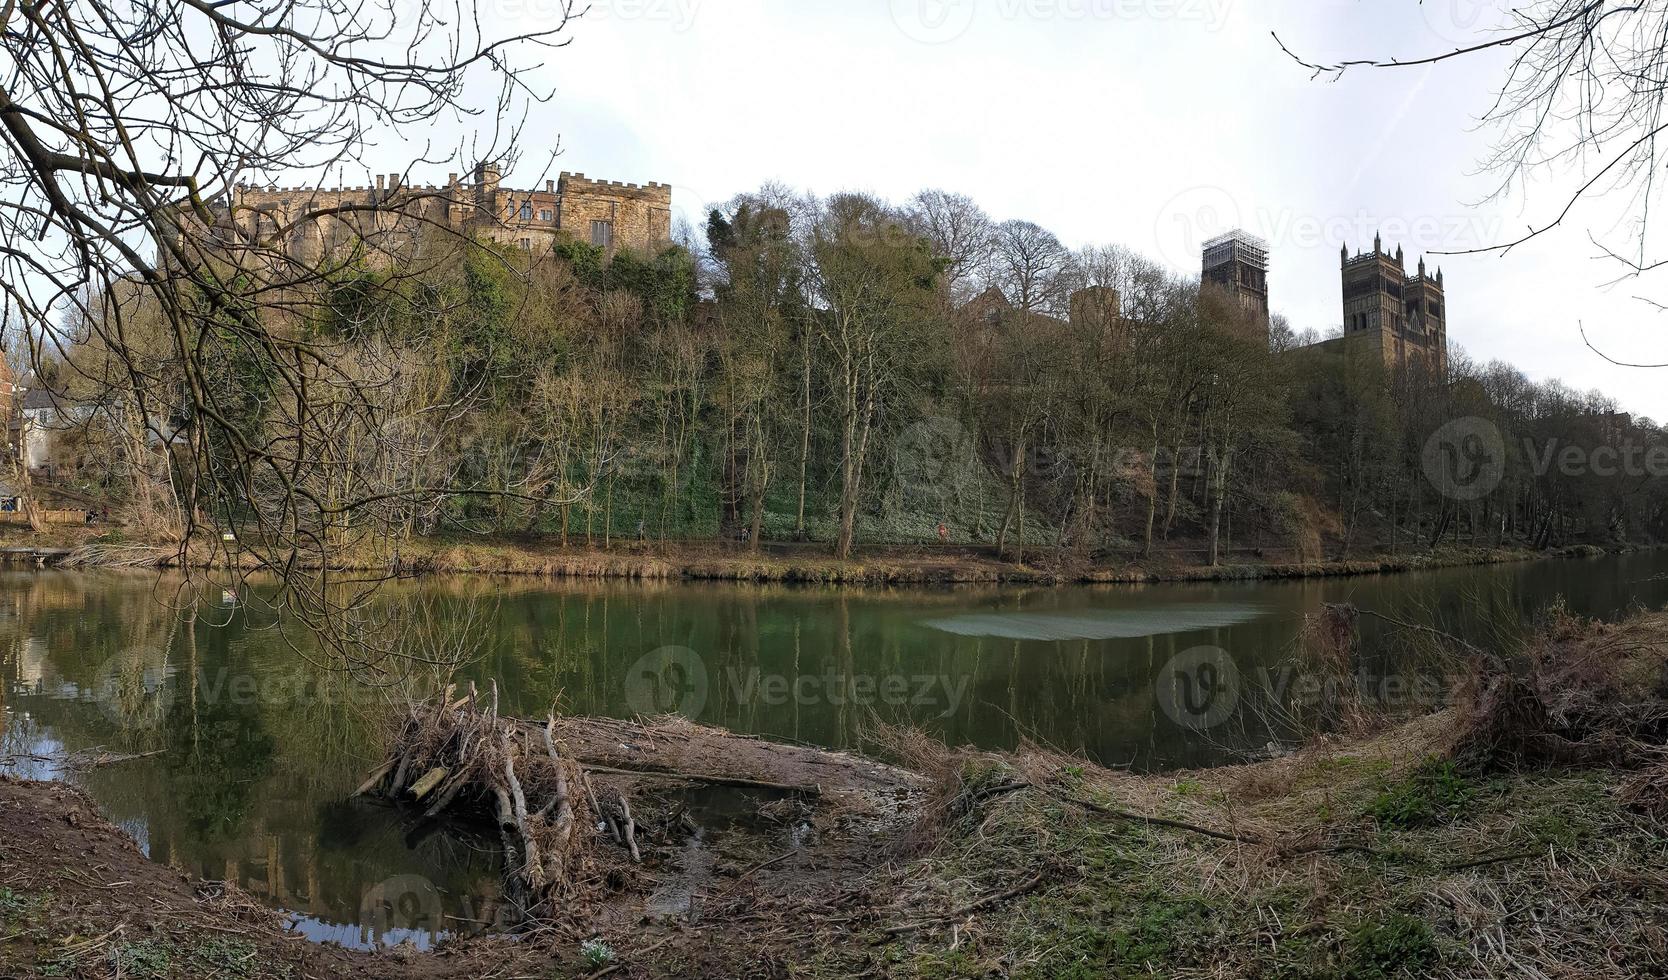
1238,263
1427,318
1399,318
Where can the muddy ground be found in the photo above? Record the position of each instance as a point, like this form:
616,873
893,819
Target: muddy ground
779,837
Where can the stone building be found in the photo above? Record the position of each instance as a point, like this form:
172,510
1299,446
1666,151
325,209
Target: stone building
1388,314
1237,263
390,216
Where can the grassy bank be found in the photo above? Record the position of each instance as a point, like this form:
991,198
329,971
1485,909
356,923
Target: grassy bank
541,558
1520,831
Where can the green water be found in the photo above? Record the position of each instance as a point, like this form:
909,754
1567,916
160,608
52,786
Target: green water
259,751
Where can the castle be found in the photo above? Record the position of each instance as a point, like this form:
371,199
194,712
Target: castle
390,215
1398,319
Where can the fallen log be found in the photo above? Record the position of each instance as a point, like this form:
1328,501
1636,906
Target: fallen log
738,782
375,778
427,784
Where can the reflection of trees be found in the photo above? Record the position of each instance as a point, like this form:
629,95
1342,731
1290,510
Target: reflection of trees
219,754
246,788
235,793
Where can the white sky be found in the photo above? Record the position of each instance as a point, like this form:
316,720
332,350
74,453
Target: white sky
1152,123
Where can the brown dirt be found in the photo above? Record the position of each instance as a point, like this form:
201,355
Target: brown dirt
79,899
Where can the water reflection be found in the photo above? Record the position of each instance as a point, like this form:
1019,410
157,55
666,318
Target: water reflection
245,788
259,750
1101,624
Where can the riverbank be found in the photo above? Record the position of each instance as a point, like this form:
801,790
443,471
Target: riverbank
1523,830
807,564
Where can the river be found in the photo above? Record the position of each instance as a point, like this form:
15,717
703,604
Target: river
257,750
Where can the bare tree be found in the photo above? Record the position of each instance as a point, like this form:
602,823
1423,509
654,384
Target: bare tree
1583,93
1028,263
960,232
126,127
873,284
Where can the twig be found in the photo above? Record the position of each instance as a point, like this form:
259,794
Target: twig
778,859
1030,884
1161,822
630,830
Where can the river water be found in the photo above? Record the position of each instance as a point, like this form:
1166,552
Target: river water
257,749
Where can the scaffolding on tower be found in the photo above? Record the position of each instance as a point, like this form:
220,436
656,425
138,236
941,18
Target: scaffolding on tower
1237,246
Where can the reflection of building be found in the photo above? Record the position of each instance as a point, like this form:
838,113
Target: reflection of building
392,214
1237,263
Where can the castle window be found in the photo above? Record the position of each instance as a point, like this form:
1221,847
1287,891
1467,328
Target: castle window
526,210
547,215
602,234
527,244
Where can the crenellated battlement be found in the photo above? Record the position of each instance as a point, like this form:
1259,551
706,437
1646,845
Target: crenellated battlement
608,213
565,182
1403,317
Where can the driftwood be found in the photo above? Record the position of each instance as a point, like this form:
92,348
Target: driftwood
459,753
427,784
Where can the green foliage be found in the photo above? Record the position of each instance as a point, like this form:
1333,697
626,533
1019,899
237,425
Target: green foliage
596,953
664,282
1130,936
19,905
1434,793
361,303
229,957
150,958
1396,945
485,346
589,262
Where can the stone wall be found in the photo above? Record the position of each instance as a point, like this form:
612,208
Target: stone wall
390,216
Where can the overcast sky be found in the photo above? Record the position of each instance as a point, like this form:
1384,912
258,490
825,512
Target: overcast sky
1151,123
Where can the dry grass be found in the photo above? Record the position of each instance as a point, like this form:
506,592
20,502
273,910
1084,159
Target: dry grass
1519,833
1580,693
